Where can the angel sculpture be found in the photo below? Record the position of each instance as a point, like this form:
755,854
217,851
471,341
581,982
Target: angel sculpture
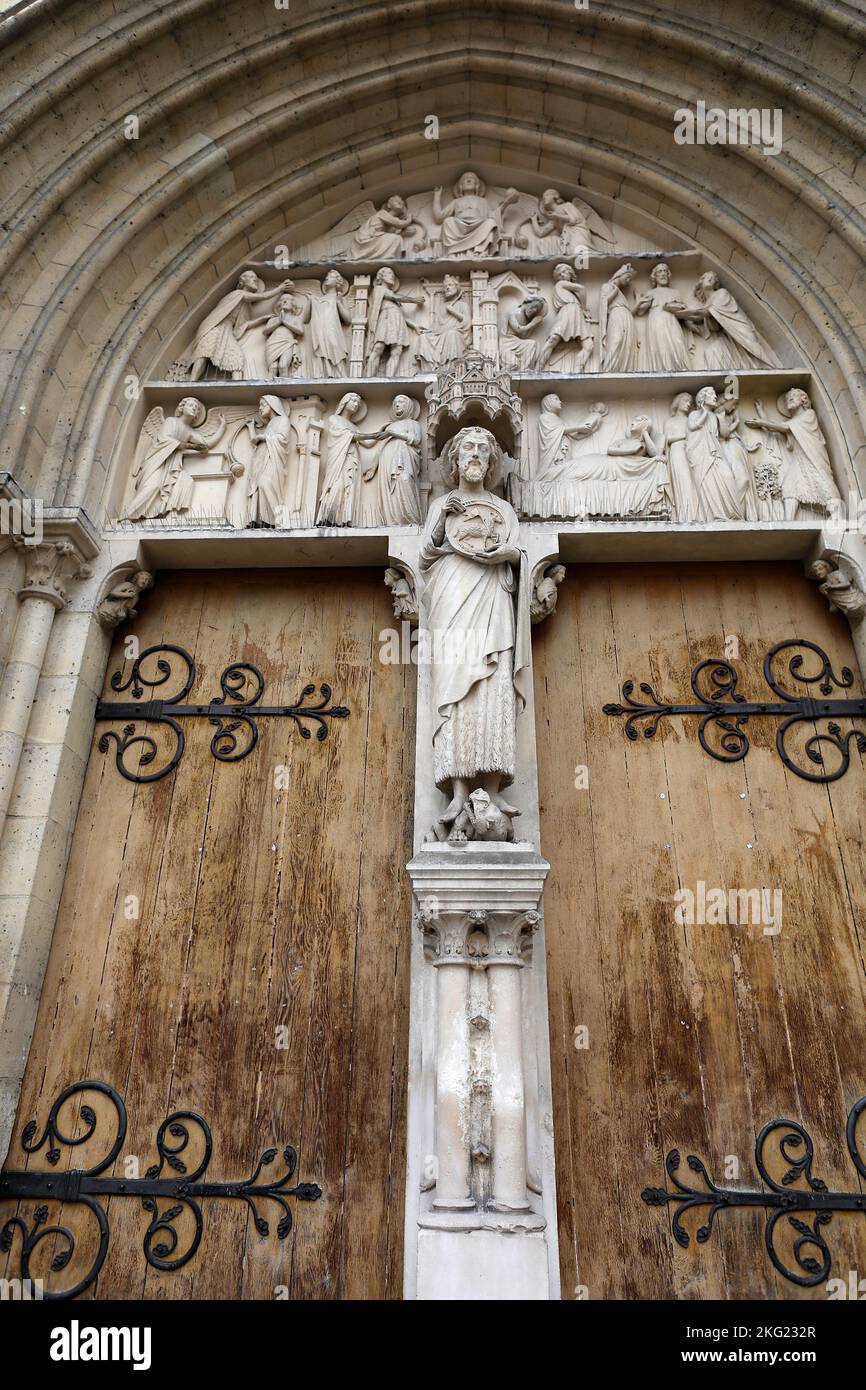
381,236
161,485
558,227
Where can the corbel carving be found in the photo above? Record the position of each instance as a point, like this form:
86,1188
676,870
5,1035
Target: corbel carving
842,593
400,581
544,591
120,594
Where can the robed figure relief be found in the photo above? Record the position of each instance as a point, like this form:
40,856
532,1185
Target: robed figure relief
479,644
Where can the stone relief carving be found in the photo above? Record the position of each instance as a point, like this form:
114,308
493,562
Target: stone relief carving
257,491
160,484
396,467
691,455
342,462
560,227
663,340
388,234
545,591
730,339
447,336
841,592
402,588
470,223
696,460
572,324
480,644
218,340
629,479
471,219
803,466
388,332
121,595
616,323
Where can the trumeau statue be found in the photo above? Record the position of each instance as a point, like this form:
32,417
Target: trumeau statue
480,644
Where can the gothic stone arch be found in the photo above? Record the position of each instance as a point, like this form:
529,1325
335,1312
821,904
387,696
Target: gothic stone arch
241,341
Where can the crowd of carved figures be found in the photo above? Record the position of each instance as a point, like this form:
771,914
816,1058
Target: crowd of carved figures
306,329
579,295
698,456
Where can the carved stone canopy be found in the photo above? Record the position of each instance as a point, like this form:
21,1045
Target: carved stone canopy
472,391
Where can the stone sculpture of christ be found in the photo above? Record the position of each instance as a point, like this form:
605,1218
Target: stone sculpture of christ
480,644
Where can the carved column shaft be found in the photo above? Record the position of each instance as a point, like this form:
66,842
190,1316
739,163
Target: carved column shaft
47,568
359,325
452,1086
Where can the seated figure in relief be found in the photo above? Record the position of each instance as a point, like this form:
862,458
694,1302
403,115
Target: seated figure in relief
805,475
729,337
517,349
161,485
470,225
448,335
560,228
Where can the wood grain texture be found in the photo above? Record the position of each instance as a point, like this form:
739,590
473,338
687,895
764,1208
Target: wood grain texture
698,1034
260,908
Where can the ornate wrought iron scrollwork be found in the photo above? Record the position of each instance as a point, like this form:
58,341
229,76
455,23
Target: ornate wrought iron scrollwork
184,1192
234,712
781,1199
723,712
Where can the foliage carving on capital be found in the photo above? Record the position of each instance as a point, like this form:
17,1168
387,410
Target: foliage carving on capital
48,568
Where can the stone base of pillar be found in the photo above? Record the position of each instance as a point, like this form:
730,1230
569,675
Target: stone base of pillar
484,1265
479,1116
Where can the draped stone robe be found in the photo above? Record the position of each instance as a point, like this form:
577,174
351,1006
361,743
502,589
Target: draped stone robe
480,650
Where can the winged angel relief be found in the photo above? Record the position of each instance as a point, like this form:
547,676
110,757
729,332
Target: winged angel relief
470,221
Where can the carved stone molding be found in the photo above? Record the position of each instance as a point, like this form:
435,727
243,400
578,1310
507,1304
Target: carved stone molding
120,594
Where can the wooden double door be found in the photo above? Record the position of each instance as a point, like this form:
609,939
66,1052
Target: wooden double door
233,941
692,1035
